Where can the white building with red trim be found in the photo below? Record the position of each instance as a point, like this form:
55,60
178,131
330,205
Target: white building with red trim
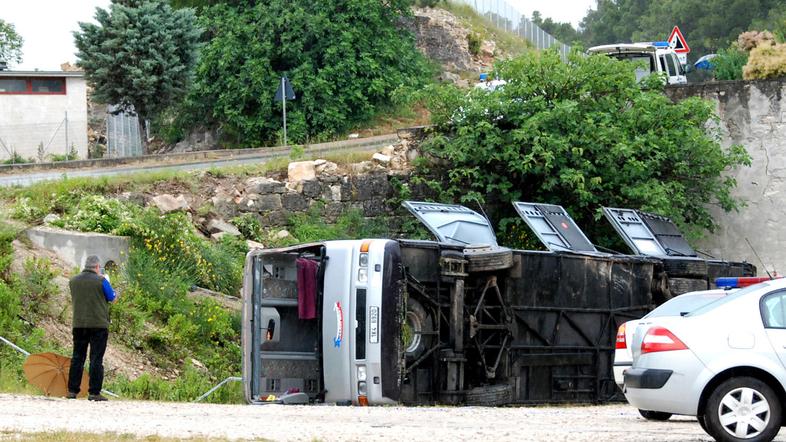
42,114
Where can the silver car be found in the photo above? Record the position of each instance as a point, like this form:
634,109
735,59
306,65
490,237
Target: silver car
623,355
723,363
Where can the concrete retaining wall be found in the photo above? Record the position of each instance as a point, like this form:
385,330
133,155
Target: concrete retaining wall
751,114
75,247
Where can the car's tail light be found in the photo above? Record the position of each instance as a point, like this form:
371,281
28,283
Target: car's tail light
621,344
660,339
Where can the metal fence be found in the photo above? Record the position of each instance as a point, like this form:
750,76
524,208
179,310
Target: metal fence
42,141
123,136
505,17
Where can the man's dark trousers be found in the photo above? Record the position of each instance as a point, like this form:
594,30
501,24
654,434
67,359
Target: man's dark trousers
96,338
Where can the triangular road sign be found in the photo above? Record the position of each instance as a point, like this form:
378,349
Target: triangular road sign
677,41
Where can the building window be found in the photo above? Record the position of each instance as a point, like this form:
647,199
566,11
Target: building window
48,85
33,86
11,85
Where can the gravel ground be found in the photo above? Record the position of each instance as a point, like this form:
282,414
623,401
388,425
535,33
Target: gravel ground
619,422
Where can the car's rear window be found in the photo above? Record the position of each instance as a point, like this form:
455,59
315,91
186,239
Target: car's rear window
726,299
685,304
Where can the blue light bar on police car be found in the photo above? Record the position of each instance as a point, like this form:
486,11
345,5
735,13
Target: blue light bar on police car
741,281
660,44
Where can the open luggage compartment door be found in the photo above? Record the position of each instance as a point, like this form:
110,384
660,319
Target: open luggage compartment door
452,223
554,227
648,234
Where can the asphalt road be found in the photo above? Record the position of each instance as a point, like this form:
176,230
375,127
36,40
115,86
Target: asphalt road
28,178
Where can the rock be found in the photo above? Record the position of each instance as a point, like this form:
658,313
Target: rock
294,202
52,217
487,48
442,37
301,171
335,193
353,136
198,364
361,167
449,77
327,168
318,163
388,150
254,245
412,154
312,189
264,185
266,203
217,236
217,225
167,203
369,187
381,158
462,83
282,234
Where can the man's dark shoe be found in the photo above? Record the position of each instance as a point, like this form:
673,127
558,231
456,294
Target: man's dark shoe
70,395
96,397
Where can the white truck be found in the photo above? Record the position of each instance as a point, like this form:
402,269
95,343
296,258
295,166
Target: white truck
459,320
651,58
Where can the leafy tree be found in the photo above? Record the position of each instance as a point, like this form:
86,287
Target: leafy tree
564,32
141,54
10,43
708,26
583,134
343,58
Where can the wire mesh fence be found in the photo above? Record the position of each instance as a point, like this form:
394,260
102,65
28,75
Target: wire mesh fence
505,17
42,141
123,135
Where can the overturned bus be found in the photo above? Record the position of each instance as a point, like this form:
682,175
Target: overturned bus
459,320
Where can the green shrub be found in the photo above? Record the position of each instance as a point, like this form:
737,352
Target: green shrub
70,156
37,284
191,384
18,159
95,213
766,62
729,63
474,41
249,225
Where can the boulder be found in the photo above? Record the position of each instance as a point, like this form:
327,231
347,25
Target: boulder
254,245
52,217
282,234
217,225
381,159
167,203
301,171
264,185
312,189
326,168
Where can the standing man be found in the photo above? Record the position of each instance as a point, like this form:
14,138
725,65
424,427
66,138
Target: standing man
91,294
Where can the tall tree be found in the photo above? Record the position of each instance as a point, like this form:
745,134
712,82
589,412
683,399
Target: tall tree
10,43
563,32
141,54
343,58
582,134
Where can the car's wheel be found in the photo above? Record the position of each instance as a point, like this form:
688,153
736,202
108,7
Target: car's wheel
678,286
654,415
703,423
743,409
490,395
486,259
417,322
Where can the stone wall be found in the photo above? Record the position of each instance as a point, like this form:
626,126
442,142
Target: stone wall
368,186
750,114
